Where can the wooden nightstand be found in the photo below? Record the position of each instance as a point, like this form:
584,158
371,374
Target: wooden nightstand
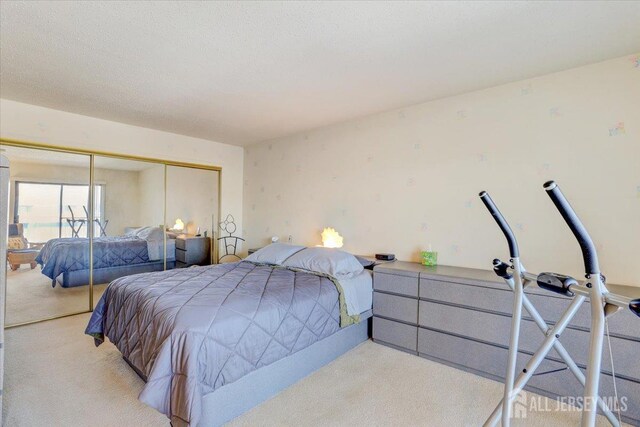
192,250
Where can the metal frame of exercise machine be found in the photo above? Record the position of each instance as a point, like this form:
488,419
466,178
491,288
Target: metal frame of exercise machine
603,304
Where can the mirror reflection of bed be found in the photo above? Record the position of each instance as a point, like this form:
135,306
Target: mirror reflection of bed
48,272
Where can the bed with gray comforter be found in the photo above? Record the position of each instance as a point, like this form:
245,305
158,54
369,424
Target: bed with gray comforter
59,256
190,331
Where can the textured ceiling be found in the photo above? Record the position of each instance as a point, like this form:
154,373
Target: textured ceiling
243,72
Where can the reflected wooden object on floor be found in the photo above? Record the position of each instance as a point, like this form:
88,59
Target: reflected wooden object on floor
16,258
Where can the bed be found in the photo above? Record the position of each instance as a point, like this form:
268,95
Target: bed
66,261
212,342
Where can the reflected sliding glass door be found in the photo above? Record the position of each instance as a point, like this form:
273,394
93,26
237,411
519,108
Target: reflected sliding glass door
49,210
192,215
129,230
48,249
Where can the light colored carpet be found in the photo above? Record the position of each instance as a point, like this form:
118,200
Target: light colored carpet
56,377
31,297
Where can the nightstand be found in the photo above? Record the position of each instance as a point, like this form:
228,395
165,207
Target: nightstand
250,251
192,250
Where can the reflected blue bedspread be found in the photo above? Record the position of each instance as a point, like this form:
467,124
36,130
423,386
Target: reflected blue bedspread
70,254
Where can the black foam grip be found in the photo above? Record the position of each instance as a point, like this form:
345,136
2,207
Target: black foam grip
502,223
634,306
589,253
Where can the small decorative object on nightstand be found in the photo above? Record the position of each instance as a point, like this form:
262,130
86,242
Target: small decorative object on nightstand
192,250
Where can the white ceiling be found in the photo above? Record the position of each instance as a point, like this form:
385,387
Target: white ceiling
243,72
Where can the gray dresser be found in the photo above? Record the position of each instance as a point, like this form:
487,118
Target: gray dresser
461,317
192,250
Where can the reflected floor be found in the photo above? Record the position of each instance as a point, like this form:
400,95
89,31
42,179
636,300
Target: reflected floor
31,297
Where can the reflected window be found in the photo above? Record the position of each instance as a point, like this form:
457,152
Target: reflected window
49,210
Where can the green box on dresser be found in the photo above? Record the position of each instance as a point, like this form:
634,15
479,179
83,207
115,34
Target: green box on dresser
461,317
192,250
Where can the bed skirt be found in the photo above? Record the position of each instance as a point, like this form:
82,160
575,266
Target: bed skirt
71,279
235,399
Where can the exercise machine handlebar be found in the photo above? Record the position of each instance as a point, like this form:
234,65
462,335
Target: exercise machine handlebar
634,306
502,223
558,283
589,253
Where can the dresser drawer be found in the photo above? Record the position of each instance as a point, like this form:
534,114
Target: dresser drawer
473,296
625,353
627,390
498,300
404,285
398,334
496,329
492,328
181,244
181,255
493,361
483,357
395,307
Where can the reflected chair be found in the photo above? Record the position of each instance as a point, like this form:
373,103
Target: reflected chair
19,250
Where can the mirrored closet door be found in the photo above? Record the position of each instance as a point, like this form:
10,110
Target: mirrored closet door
192,216
48,235
129,217
78,220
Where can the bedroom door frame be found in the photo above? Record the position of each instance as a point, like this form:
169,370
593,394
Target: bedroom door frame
90,223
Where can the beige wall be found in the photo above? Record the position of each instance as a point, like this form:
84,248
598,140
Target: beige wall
121,199
151,190
29,122
401,180
192,197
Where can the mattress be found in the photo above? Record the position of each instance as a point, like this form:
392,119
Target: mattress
191,331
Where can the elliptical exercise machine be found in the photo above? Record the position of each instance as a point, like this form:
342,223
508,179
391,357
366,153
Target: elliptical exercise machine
603,304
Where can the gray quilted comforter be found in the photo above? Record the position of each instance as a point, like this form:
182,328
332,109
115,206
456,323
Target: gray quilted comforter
191,331
71,254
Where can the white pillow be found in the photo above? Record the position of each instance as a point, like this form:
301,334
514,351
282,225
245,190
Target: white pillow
133,232
275,253
334,262
150,233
